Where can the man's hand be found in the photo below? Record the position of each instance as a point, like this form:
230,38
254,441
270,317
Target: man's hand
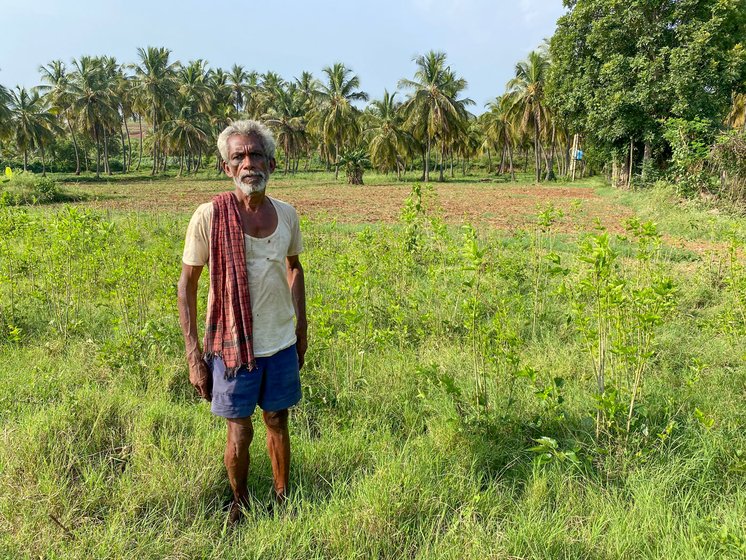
201,378
301,345
186,290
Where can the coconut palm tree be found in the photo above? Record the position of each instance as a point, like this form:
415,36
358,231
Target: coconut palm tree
466,145
113,124
308,88
354,162
155,84
194,88
389,142
222,110
251,105
5,100
238,77
526,91
336,117
265,96
187,135
433,110
124,95
91,101
287,118
57,90
499,130
32,122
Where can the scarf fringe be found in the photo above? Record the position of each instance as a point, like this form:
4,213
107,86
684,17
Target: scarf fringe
231,372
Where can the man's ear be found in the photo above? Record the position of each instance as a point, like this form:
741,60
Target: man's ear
227,169
272,165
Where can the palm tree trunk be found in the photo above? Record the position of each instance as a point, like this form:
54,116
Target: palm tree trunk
155,147
550,162
489,162
427,162
107,167
98,153
336,161
440,166
287,157
43,166
124,149
75,146
537,151
129,146
139,159
510,156
25,159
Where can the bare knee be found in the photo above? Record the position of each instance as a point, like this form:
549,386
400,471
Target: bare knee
276,421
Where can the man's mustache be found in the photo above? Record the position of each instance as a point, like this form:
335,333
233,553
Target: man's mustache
246,174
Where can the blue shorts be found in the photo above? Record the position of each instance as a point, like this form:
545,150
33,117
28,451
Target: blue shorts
274,385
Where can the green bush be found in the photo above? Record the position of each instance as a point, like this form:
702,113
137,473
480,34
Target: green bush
690,143
728,157
26,188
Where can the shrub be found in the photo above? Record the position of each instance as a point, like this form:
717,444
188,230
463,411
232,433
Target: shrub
26,188
728,157
690,145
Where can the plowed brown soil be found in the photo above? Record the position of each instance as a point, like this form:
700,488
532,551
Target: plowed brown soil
504,206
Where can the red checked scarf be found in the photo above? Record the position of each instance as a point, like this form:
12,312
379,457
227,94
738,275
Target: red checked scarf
228,332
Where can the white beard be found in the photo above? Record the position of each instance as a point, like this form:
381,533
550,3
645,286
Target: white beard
251,188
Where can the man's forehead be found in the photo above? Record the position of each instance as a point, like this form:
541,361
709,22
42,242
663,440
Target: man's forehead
240,141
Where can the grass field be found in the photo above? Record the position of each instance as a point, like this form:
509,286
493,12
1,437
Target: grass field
451,404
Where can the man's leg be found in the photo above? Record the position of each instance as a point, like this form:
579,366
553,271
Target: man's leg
236,457
278,446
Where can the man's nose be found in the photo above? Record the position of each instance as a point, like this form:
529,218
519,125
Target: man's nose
246,161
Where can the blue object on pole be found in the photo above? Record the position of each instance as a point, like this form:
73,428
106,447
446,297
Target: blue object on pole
578,154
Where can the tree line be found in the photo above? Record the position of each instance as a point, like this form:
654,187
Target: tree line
640,86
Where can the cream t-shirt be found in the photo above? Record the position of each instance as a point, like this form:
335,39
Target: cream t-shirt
272,308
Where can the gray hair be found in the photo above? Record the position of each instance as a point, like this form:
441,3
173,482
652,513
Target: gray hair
247,128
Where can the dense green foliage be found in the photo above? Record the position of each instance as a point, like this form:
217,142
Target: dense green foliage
620,70
452,405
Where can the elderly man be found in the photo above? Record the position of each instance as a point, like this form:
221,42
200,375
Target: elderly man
255,334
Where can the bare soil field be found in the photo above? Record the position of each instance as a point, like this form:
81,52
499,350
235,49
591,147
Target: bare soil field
503,206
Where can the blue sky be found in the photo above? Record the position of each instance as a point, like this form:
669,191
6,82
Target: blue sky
482,38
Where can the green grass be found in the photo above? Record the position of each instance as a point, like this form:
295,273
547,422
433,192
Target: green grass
107,453
686,219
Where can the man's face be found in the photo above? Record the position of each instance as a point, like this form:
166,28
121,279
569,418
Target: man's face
247,163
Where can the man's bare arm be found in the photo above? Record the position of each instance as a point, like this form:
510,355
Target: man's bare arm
297,285
199,376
